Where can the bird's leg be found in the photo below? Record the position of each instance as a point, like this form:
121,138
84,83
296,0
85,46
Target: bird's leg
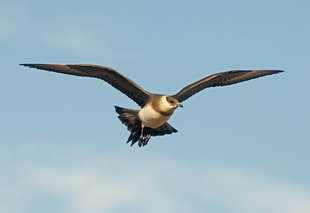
146,139
141,136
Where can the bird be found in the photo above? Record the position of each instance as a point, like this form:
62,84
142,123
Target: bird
156,109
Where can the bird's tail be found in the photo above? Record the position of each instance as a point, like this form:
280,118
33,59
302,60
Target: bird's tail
129,118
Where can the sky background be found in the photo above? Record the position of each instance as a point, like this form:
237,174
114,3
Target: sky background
242,148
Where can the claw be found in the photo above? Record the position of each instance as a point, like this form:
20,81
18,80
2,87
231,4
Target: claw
146,139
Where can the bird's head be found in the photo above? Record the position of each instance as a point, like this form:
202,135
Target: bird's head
166,104
174,103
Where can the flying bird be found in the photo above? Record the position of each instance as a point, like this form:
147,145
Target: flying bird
156,109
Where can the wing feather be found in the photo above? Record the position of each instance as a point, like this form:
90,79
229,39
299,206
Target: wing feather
111,76
221,79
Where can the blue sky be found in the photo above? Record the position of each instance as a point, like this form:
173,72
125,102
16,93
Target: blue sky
242,148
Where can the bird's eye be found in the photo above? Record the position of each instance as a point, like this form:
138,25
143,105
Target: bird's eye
170,100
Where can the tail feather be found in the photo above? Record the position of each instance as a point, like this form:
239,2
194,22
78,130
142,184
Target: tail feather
166,128
129,118
134,137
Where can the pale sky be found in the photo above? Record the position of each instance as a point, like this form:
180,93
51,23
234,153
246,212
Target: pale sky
242,148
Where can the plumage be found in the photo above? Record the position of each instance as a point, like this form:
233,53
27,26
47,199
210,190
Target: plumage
151,119
117,80
221,79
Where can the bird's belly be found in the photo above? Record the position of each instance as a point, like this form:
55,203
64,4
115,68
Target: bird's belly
151,118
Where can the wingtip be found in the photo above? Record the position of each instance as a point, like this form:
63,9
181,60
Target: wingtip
27,65
274,71
271,71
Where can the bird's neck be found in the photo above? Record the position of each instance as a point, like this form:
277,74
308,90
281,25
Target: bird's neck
162,106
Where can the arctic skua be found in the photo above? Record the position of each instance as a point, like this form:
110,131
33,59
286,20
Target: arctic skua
156,109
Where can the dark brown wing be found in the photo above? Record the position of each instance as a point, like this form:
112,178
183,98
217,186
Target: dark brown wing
120,82
221,79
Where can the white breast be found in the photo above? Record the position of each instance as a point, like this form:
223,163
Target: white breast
152,118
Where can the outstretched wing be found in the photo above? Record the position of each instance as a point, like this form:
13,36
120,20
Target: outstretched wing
221,79
117,80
